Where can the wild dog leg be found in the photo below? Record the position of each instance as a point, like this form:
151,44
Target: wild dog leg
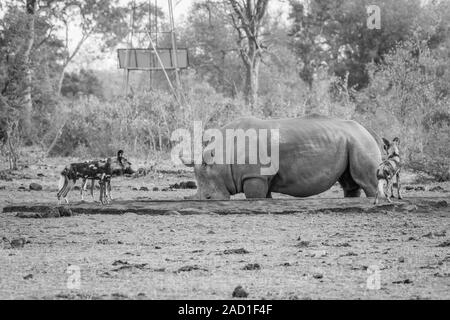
63,181
70,184
389,187
398,185
102,187
392,188
83,187
92,189
109,189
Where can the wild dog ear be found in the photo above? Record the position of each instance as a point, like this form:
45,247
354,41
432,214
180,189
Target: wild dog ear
386,142
397,140
120,154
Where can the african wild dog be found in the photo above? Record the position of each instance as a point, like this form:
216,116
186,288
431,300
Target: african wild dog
101,170
389,169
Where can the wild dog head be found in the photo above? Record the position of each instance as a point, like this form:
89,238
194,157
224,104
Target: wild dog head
120,165
392,147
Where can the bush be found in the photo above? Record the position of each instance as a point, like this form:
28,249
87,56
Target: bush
404,98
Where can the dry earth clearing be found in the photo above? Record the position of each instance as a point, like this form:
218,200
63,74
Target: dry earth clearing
316,248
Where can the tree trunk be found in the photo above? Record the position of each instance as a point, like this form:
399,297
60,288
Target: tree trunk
252,61
252,83
247,20
61,79
28,102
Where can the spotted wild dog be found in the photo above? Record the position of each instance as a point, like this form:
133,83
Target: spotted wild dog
105,181
389,169
101,170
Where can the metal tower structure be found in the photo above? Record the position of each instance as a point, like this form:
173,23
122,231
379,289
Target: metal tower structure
153,58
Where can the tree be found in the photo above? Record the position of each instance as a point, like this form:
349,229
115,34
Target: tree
335,33
85,83
247,18
212,42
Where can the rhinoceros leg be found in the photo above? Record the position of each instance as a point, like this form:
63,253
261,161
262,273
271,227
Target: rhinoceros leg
256,188
350,187
363,167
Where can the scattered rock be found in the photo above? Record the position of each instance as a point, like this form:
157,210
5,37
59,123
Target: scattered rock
406,281
441,275
441,204
442,233
184,185
428,235
303,244
437,189
317,276
239,292
419,188
103,241
286,264
2,187
349,254
344,244
155,189
119,262
35,186
210,232
134,189
21,188
40,175
236,251
123,265
28,276
18,243
117,295
157,247
143,189
444,244
190,268
401,259
76,188
317,254
252,266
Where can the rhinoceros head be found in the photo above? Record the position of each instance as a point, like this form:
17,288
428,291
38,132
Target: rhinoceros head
212,179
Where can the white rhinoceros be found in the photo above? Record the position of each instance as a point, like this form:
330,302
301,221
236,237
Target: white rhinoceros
314,152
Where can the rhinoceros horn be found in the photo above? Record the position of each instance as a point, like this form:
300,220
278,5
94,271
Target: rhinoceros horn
187,162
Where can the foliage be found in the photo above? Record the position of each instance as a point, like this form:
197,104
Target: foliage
84,82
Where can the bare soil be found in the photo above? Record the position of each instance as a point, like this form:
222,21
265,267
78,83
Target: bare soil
153,245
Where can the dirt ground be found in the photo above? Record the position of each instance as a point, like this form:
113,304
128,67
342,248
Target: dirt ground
331,248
